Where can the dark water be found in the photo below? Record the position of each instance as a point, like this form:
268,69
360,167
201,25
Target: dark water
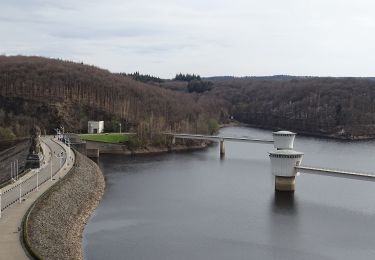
196,206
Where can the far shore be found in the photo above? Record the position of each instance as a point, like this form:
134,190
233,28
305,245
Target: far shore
107,148
334,136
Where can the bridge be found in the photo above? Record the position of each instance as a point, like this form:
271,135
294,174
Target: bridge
220,139
336,173
285,162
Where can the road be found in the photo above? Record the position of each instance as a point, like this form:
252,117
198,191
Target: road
13,209
217,138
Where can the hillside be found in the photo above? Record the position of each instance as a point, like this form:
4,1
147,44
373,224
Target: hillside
51,92
336,107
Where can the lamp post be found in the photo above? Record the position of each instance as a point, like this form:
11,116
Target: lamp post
37,180
15,169
0,203
20,200
16,164
68,143
51,168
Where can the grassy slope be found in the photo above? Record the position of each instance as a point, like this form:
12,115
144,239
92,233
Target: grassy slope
106,138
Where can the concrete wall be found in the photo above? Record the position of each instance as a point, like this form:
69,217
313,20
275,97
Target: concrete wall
92,153
107,147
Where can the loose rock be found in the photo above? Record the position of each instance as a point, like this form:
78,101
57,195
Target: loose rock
55,224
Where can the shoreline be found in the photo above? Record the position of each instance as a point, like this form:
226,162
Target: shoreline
306,133
107,148
150,150
54,226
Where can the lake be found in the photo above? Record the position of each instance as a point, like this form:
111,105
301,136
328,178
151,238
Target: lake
194,205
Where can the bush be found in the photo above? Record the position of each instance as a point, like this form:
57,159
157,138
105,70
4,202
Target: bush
6,133
213,126
134,142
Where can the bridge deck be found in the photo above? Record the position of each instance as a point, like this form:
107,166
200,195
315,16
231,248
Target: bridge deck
217,138
336,173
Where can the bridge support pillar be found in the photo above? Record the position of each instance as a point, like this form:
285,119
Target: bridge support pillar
222,148
285,183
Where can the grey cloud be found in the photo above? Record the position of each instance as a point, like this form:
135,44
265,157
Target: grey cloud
87,33
239,37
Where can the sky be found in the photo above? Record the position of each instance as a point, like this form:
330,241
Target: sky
205,37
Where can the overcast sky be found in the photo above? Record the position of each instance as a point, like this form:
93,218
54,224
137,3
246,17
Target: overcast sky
208,37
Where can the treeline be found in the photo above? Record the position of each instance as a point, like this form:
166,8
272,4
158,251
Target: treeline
199,86
187,77
340,107
145,78
52,92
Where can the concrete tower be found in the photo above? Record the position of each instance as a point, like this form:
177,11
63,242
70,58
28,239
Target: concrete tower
283,161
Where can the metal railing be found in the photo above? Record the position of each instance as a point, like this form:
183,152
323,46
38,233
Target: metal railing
336,173
29,183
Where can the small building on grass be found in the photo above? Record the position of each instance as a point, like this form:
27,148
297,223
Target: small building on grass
95,127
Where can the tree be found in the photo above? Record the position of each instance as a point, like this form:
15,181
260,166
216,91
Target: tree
199,86
213,126
6,134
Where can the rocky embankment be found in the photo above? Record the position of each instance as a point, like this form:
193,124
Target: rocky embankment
54,226
109,148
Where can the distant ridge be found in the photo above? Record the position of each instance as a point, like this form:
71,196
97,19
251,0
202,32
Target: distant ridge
278,77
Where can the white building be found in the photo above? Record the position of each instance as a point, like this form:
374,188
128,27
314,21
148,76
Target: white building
95,127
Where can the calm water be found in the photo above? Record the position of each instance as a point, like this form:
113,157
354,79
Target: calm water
196,206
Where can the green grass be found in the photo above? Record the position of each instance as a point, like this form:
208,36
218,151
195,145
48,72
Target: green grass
114,138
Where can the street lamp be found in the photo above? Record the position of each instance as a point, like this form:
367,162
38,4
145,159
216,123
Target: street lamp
14,170
67,142
11,170
20,200
16,167
51,168
37,180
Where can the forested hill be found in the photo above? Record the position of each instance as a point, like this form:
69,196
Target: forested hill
338,107
50,92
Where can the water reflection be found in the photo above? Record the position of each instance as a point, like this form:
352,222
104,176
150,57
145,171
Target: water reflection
196,206
285,203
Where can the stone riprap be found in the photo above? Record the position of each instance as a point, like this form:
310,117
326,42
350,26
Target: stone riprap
55,224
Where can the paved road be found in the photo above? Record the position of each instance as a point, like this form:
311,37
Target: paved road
13,211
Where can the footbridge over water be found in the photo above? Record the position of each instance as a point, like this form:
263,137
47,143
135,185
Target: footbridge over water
220,139
336,173
285,162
